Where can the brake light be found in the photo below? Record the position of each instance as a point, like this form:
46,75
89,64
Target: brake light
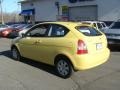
5,32
82,48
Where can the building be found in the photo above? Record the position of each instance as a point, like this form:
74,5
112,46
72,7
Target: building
74,10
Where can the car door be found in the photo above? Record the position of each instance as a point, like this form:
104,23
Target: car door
55,43
31,45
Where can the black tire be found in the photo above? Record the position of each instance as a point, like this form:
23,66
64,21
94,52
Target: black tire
63,67
15,54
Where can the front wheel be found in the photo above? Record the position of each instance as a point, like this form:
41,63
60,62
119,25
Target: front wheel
15,54
64,67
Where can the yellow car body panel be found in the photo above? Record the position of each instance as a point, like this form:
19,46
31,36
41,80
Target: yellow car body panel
49,48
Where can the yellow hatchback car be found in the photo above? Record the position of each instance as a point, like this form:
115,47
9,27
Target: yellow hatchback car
68,46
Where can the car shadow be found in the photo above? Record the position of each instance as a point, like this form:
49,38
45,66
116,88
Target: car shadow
6,53
39,65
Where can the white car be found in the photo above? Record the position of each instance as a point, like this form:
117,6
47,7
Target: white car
99,25
113,33
24,30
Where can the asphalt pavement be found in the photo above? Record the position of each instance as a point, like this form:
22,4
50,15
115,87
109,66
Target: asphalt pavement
31,75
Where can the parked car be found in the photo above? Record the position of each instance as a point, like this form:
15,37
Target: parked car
113,33
25,29
68,46
99,25
15,25
19,29
3,26
8,31
5,32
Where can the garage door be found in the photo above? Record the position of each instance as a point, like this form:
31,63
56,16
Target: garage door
83,13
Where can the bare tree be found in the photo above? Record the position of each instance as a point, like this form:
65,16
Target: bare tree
11,17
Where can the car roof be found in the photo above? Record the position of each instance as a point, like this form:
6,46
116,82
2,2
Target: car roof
67,24
62,23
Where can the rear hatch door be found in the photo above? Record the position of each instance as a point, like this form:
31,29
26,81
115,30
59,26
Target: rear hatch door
94,39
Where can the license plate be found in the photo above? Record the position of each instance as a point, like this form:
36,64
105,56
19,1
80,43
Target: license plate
98,46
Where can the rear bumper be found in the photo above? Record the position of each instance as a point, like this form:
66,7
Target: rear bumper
83,62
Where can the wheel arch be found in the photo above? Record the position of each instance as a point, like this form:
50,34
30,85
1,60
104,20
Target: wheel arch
64,56
15,46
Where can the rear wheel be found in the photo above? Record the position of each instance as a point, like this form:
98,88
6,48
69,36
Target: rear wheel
63,67
15,54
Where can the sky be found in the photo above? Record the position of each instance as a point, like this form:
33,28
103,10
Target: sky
10,6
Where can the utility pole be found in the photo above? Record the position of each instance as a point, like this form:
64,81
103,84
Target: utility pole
2,18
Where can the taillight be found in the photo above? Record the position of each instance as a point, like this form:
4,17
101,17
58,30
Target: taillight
82,48
5,32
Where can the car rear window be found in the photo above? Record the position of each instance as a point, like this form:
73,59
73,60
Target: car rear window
88,31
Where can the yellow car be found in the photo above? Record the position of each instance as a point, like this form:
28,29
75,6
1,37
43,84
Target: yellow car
68,46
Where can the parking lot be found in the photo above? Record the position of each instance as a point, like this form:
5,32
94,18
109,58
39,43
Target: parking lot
30,75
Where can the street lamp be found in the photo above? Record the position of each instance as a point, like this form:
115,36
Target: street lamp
2,18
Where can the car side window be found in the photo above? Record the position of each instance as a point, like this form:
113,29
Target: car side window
58,31
39,31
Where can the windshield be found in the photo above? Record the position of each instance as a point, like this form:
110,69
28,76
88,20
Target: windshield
88,31
20,26
27,26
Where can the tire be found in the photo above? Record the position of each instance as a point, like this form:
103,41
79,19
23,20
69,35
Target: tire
15,54
63,67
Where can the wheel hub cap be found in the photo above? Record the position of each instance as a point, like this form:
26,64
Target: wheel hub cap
63,67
